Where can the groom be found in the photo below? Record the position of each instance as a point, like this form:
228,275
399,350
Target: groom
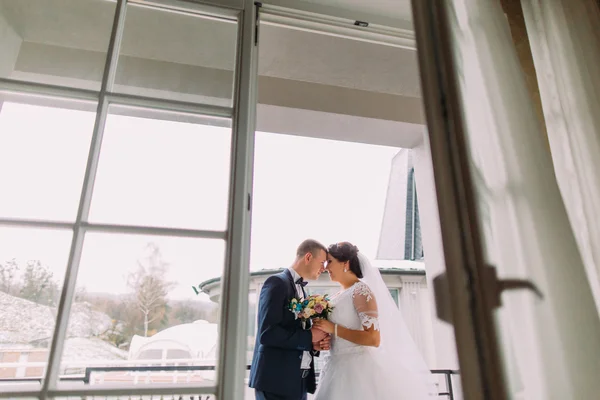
282,366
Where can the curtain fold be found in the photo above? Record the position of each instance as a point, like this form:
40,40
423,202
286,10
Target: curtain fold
565,43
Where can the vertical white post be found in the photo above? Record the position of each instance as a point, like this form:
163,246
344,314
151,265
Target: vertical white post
444,342
234,295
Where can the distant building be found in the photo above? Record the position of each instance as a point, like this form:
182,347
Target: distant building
400,237
197,341
405,280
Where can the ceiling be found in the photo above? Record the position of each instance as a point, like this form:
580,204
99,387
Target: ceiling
394,8
187,40
298,69
392,13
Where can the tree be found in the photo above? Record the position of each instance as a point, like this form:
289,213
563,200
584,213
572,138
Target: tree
38,284
81,294
9,271
150,288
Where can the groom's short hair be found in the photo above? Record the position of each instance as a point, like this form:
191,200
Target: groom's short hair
309,246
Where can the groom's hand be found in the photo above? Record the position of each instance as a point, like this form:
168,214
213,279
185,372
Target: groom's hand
323,345
317,335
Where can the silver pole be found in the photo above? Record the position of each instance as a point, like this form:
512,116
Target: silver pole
79,391
37,89
112,228
413,210
234,299
27,90
202,8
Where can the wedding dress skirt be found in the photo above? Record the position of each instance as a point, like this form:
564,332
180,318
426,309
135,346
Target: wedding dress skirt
353,371
360,376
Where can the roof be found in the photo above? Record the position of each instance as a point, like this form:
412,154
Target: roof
199,337
387,267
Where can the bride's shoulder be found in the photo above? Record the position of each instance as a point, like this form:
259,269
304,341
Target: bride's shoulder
362,289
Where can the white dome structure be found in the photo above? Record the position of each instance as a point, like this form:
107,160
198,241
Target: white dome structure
195,341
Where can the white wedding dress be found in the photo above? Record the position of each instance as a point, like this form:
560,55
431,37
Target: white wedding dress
352,371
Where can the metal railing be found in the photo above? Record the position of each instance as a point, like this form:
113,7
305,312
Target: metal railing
86,378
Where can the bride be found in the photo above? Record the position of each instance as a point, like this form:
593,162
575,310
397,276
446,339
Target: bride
372,354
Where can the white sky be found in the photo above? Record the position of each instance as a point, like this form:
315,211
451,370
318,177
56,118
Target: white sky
175,174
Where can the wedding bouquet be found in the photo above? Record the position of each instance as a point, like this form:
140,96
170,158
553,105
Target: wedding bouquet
315,306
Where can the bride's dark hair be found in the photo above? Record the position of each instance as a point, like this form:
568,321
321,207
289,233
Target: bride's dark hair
346,251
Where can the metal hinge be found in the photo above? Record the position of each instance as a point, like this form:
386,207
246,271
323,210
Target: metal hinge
493,290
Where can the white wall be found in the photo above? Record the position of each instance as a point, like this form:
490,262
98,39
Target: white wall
443,334
10,43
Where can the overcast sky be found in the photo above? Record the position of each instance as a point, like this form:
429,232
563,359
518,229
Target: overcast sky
175,174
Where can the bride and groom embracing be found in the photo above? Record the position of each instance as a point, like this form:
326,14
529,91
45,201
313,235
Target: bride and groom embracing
371,353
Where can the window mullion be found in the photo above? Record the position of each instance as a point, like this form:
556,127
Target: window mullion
68,291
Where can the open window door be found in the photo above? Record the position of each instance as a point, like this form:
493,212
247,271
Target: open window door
515,289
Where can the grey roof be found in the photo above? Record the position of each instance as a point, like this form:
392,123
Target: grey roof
269,272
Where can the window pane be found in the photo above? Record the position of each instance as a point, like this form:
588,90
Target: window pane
325,189
43,154
344,200
394,293
135,307
57,42
162,173
32,269
177,56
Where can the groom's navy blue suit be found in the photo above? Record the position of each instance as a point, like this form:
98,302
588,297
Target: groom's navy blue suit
280,342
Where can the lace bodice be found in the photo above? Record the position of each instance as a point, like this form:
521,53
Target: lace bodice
354,308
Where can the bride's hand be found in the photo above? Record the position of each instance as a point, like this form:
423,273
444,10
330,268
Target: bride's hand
324,325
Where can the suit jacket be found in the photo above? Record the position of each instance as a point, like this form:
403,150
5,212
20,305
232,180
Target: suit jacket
280,341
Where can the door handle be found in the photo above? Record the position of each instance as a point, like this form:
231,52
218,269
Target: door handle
494,288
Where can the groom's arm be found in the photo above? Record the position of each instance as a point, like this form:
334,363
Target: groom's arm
271,332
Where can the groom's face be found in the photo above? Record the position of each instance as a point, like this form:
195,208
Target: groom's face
315,264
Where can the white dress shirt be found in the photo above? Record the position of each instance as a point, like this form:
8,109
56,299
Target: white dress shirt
306,356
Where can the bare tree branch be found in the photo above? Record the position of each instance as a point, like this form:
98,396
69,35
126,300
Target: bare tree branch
150,286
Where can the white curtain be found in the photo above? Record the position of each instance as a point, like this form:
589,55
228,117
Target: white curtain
525,229
565,44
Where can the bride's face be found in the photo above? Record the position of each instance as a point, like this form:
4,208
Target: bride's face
335,268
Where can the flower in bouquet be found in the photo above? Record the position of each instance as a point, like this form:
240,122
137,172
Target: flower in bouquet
315,306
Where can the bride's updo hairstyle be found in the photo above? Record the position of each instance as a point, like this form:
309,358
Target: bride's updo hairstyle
345,251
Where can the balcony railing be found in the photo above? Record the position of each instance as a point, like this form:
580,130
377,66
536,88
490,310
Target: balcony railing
139,371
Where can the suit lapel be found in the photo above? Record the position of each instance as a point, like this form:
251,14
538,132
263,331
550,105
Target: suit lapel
293,283
288,274
295,291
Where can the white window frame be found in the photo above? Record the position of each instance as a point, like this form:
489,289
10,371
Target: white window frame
231,366
232,345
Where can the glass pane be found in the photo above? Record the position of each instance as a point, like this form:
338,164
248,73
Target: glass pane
177,56
161,172
61,42
32,269
321,212
311,195
394,293
136,318
43,155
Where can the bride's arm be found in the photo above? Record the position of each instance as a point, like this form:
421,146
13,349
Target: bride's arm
366,307
366,337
